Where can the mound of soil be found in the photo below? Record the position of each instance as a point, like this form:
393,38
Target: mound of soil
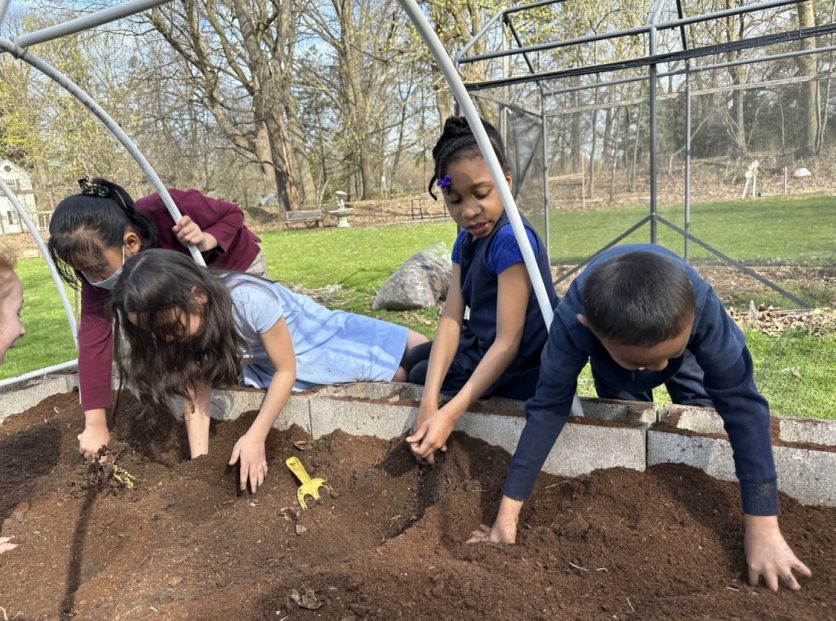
178,543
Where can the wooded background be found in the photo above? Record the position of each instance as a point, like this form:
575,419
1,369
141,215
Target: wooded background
296,99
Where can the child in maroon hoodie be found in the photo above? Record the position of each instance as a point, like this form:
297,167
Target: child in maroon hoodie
94,232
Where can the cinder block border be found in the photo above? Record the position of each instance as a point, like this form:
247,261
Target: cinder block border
611,433
804,450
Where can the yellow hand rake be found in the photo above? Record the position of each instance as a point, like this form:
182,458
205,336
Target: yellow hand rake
309,486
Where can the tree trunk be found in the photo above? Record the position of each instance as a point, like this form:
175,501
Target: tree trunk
811,114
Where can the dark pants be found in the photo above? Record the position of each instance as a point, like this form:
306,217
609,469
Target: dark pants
685,386
521,386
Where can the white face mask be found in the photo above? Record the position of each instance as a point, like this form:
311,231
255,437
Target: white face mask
110,282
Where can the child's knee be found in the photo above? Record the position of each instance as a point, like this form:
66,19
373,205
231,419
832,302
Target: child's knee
414,339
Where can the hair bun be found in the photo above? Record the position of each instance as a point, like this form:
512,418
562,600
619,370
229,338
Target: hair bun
456,126
92,187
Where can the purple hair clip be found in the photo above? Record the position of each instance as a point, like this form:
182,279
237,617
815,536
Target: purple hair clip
445,182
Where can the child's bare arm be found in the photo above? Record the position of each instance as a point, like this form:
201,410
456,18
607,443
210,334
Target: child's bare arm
444,347
197,419
504,529
514,286
250,447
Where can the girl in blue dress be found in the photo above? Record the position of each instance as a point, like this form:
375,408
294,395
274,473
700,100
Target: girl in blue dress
185,329
491,330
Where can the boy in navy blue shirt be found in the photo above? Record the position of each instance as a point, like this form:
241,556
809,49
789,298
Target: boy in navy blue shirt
643,317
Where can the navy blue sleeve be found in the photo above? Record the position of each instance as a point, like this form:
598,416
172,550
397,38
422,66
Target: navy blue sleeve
546,412
721,351
505,251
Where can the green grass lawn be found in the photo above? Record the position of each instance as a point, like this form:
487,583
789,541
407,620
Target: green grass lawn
758,232
793,371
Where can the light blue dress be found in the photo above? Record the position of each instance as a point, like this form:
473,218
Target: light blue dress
332,347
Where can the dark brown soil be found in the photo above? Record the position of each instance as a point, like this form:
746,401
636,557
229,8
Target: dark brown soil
663,544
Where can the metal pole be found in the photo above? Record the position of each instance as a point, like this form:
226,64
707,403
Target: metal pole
545,134
4,5
37,373
687,158
104,117
497,174
23,214
85,22
460,93
652,77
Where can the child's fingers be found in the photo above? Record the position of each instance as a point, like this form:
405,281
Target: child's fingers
236,453
789,580
478,536
257,475
770,578
801,568
418,435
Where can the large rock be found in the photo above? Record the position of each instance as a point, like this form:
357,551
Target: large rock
419,282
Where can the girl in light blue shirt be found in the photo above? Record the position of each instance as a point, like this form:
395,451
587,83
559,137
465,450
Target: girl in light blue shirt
186,329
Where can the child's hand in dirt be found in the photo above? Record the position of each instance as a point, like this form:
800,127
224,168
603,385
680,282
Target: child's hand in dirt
431,436
493,534
92,439
504,529
768,555
251,452
6,545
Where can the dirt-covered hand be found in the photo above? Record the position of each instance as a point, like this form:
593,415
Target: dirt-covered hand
253,461
768,555
92,439
498,533
430,437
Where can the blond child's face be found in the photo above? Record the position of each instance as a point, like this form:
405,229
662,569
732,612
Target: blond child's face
11,301
472,197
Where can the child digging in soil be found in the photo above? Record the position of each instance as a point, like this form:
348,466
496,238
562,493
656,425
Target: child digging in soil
643,317
92,234
491,332
11,329
187,329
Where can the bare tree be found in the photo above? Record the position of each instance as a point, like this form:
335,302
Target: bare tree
238,56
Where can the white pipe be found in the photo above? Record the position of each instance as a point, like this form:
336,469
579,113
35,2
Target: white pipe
38,373
59,285
4,5
71,87
466,105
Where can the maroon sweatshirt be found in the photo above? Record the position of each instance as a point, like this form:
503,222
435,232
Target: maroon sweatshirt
237,249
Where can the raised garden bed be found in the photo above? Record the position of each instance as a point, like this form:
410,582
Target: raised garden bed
618,544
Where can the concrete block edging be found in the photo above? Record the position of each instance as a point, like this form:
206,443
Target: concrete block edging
611,434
